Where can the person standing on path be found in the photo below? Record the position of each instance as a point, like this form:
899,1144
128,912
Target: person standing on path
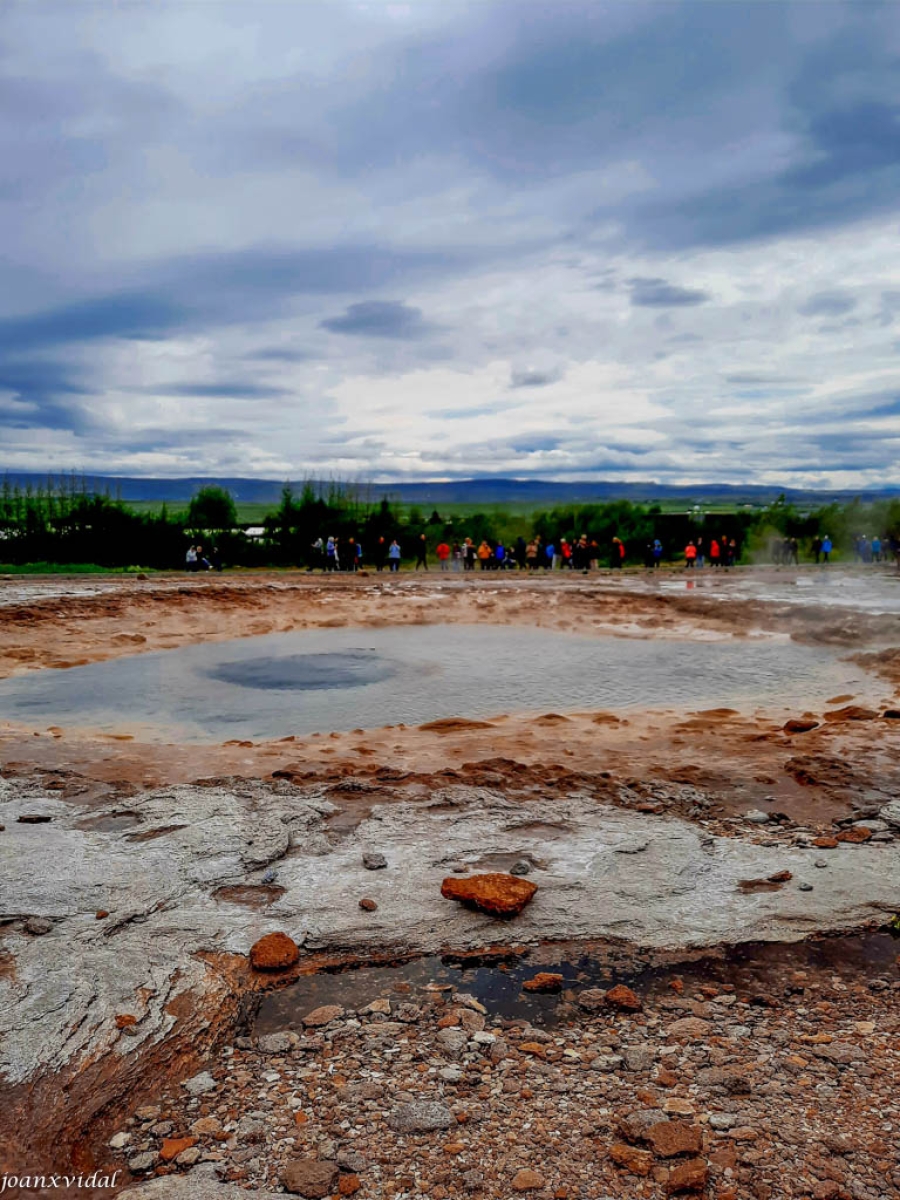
394,555
690,556
422,552
443,554
826,548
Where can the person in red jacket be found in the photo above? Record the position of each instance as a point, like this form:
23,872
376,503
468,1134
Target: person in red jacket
443,553
690,554
715,553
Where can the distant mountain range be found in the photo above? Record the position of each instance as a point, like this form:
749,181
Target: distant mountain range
490,491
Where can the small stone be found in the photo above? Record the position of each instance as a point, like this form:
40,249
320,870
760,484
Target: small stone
200,1084
142,1163
124,1020
855,836
374,862
37,926
544,981
639,1058
799,725
323,1015
522,867
780,877
351,1160
452,1041
820,862
421,1116
591,999
368,905
638,1162
825,843
756,816
670,1138
623,998
189,1157
526,1181
690,1176
277,1043
806,887
690,1028
450,1074
274,952
349,1185
120,1140
148,1112
206,1126
172,1147
101,914
311,1177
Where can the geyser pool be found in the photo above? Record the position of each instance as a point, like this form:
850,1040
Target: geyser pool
339,679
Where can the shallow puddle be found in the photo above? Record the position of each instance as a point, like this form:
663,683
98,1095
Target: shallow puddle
341,679
761,969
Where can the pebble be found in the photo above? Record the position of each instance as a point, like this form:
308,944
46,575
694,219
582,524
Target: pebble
421,1116
200,1084
374,862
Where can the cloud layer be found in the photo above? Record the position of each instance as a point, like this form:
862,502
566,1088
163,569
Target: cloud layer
630,240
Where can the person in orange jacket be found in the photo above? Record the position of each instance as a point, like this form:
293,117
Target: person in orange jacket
443,553
690,555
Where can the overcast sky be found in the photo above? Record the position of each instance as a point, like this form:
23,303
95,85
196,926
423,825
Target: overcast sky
435,240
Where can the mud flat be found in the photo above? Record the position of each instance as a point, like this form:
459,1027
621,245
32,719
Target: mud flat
138,874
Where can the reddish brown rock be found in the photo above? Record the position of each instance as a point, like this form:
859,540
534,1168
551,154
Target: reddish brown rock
526,1181
798,725
852,712
324,1015
690,1176
857,834
544,981
274,952
638,1162
172,1147
368,905
124,1020
780,877
101,913
623,998
670,1138
310,1177
496,894
349,1185
825,843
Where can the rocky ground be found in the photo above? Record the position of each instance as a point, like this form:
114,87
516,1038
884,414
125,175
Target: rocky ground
785,1093
137,877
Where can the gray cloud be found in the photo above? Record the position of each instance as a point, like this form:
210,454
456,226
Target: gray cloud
656,293
380,318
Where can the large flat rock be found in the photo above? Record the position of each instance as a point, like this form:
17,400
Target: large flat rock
606,872
199,1184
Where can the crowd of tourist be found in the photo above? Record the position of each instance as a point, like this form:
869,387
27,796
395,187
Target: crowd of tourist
576,554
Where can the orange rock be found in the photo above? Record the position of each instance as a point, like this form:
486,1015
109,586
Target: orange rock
101,914
368,905
624,998
857,834
123,1020
669,1138
172,1147
349,1185
497,894
300,1118
526,1181
274,952
666,1078
825,843
851,712
544,981
638,1162
536,1049
690,1176
454,1148
779,877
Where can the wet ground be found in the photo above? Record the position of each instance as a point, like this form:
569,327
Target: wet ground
496,981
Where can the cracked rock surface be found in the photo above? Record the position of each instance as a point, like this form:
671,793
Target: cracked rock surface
657,881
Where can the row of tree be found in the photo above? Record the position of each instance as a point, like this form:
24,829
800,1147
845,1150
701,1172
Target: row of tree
67,521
